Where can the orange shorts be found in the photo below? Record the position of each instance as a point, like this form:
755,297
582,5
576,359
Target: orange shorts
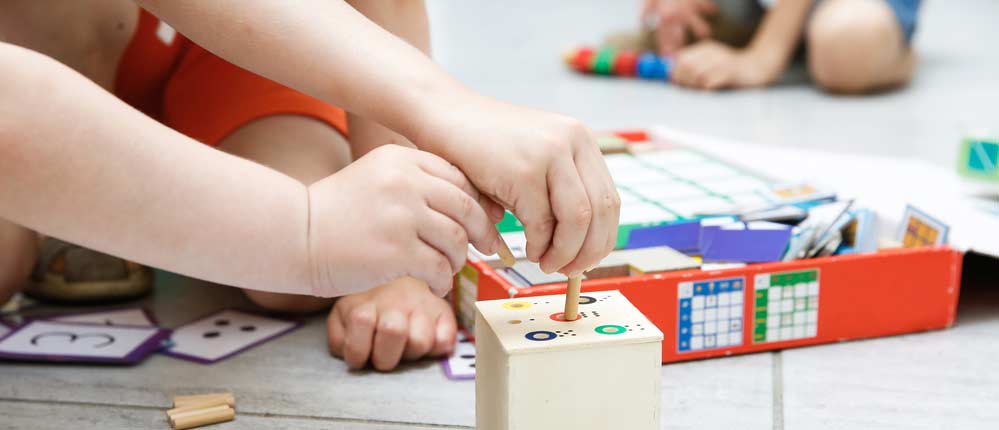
191,90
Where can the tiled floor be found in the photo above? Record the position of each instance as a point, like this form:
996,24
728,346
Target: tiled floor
511,50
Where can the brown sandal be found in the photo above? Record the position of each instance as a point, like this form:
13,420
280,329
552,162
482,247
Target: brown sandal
70,273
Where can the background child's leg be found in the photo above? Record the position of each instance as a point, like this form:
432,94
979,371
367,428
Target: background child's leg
300,147
18,252
856,46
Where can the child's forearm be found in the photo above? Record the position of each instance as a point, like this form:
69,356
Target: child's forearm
324,48
78,164
407,20
779,33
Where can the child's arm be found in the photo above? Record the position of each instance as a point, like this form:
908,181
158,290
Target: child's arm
711,65
546,168
79,164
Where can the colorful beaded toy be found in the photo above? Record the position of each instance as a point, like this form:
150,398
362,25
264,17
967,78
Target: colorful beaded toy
610,61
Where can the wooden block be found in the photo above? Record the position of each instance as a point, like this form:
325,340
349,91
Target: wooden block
203,417
536,370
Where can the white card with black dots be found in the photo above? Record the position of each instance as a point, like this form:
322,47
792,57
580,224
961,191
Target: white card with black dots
225,334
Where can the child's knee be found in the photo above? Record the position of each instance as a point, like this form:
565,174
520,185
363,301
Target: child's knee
287,303
851,43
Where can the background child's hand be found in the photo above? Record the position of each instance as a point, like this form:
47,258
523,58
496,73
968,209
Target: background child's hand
545,167
395,212
401,320
711,65
675,18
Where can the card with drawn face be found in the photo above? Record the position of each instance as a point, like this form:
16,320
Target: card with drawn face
60,341
461,364
225,334
138,317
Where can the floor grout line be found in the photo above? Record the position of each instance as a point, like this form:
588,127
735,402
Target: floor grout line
244,413
778,390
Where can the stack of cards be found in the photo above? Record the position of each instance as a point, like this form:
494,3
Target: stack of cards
128,336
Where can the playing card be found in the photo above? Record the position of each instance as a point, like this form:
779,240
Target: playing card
128,317
225,334
60,341
461,364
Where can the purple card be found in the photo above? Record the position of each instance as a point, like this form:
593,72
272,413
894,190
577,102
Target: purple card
41,340
224,334
683,236
461,364
748,244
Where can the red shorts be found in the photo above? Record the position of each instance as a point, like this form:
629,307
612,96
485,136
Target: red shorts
191,90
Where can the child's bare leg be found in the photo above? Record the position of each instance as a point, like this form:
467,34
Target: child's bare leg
18,252
302,148
856,46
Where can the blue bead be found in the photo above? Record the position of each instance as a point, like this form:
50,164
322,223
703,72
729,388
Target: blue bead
651,66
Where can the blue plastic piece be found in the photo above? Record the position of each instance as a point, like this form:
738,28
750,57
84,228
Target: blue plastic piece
652,66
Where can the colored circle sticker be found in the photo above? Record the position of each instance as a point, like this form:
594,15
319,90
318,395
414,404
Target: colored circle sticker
610,329
558,316
540,335
516,306
586,300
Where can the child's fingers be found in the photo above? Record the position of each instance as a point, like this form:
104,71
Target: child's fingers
390,340
335,331
445,333
421,336
447,236
432,266
571,207
469,214
534,210
360,329
706,7
697,24
436,166
606,206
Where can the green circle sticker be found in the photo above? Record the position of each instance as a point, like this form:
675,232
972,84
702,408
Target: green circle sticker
610,329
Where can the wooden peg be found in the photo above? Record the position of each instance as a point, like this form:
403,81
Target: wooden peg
572,298
181,401
505,255
203,417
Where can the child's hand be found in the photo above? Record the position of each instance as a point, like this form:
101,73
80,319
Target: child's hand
674,18
401,320
395,212
545,167
711,65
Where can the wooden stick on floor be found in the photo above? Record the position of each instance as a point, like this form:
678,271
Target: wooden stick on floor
572,298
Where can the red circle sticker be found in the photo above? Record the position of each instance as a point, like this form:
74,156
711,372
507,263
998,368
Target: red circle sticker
557,316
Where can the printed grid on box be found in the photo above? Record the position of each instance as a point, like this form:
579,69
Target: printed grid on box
786,306
919,233
710,314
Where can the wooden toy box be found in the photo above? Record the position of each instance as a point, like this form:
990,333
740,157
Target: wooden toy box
767,306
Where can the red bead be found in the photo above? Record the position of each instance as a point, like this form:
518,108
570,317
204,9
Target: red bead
584,60
625,63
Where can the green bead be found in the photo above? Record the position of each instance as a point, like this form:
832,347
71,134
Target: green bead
604,62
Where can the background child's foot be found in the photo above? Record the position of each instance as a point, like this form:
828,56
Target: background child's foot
70,273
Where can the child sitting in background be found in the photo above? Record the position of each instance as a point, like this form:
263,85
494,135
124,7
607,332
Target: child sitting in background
852,46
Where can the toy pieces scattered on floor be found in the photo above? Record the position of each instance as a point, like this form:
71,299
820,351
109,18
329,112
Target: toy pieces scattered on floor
920,229
979,158
201,410
752,242
225,334
78,342
138,317
461,364
624,63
